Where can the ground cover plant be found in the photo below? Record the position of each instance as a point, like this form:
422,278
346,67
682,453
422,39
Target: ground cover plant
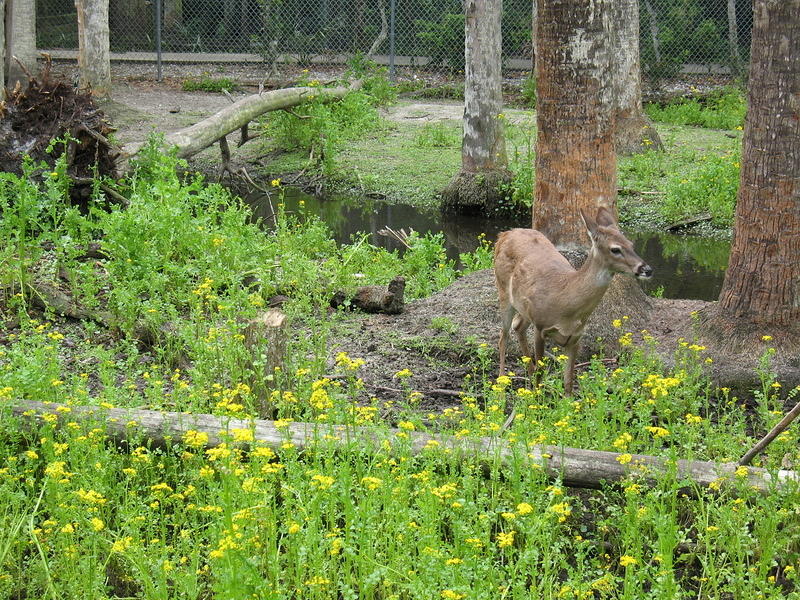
88,516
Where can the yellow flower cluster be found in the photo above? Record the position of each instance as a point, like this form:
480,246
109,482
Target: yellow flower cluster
348,364
660,386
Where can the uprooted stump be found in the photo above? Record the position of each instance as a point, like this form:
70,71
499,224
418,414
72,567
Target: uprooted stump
51,108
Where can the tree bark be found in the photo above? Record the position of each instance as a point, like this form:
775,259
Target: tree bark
633,131
94,60
484,164
733,40
20,37
761,291
655,33
2,45
173,13
575,467
382,34
575,161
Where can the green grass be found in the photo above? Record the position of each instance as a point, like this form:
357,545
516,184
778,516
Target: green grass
721,109
208,84
88,516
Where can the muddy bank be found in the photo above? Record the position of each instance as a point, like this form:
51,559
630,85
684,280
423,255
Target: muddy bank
439,339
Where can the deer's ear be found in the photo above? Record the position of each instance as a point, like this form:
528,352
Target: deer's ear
591,225
605,217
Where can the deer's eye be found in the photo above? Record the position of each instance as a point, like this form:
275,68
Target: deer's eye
617,251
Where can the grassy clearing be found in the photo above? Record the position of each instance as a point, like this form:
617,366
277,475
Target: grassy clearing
411,160
86,517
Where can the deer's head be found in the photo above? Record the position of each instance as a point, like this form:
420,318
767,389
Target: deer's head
611,246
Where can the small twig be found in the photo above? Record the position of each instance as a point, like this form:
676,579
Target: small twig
401,235
767,439
123,201
294,114
605,361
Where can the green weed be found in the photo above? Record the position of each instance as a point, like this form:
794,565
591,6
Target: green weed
711,186
724,109
437,135
208,84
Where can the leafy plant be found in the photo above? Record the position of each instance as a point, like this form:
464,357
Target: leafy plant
723,109
208,84
437,135
321,127
709,186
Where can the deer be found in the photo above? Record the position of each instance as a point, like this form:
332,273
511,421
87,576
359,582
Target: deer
537,286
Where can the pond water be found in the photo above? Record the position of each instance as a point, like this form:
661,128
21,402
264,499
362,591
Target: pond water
684,266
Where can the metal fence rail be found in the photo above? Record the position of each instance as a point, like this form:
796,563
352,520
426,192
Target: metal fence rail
675,35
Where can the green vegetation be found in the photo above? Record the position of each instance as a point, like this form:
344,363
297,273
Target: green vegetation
698,174
208,84
722,109
182,269
709,186
318,128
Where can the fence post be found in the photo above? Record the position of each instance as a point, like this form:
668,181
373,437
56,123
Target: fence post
392,12
158,39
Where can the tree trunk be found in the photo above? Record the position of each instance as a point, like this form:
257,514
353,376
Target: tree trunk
173,13
483,149
2,45
575,162
94,60
761,291
534,21
20,37
733,40
382,34
573,466
633,131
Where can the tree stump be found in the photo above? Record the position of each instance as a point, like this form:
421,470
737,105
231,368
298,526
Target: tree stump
265,338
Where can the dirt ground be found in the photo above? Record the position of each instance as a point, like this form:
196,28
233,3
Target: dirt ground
442,354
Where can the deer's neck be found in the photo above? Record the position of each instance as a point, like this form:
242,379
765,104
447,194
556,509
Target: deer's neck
587,285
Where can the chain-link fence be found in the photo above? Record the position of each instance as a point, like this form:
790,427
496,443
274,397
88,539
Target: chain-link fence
700,36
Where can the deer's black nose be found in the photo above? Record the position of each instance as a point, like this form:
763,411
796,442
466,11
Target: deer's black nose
644,272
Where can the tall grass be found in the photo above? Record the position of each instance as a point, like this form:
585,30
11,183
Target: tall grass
85,516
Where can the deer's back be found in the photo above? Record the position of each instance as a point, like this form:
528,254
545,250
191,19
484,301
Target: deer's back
527,255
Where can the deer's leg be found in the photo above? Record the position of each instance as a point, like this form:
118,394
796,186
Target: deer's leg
538,353
507,313
569,369
520,326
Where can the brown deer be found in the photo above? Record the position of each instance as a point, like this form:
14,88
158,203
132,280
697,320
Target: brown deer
537,286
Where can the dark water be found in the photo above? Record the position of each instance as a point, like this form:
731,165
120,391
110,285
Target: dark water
685,267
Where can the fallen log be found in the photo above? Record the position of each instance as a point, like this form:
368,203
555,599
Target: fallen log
203,134
575,467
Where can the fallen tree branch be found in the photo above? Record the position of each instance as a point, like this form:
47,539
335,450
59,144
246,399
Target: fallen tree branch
774,432
576,467
201,135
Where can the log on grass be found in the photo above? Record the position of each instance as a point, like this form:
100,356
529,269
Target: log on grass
203,134
576,467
